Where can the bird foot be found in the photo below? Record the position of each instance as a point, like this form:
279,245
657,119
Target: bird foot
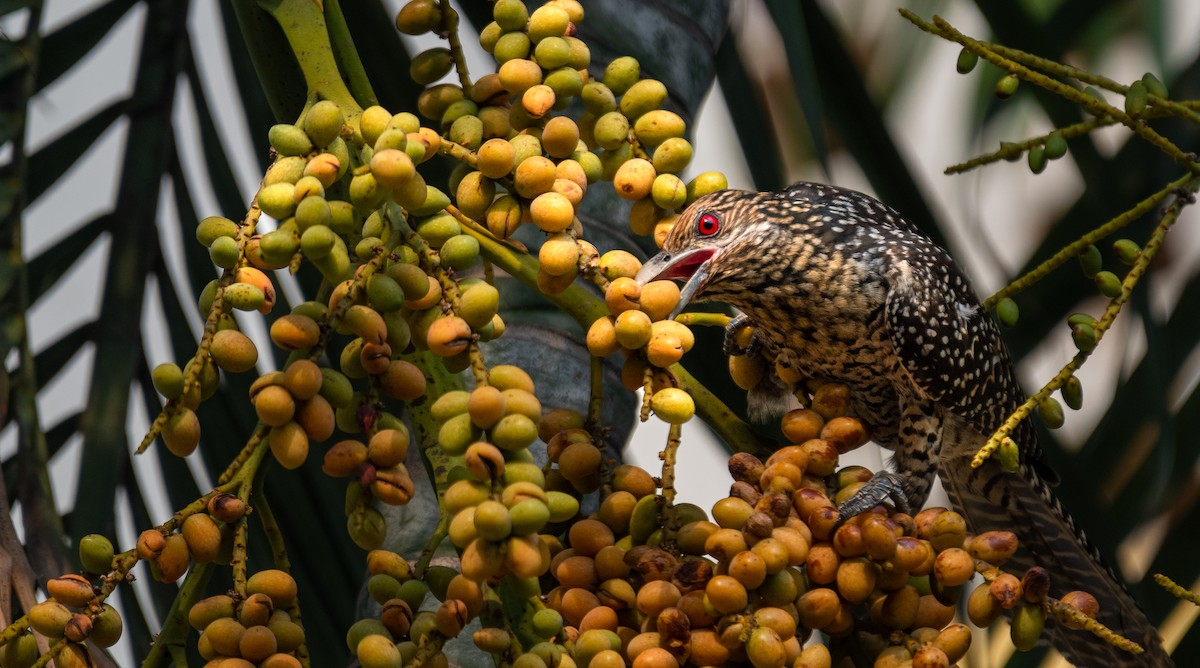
732,328
883,486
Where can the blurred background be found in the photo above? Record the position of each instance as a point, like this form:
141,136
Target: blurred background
125,122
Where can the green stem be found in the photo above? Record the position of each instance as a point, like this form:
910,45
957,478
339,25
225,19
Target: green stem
1101,326
303,23
347,55
176,628
1076,247
943,29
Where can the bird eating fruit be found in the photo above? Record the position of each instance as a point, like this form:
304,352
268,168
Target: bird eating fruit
861,296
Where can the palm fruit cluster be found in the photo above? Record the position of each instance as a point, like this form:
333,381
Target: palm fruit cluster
73,613
640,327
646,582
254,629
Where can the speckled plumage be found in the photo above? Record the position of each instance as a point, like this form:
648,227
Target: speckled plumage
863,297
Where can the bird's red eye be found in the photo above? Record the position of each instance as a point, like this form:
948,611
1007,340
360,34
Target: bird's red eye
708,225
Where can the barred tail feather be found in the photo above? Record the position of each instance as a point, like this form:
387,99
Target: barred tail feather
1022,503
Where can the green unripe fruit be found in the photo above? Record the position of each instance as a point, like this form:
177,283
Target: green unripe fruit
323,123
514,432
529,516
244,296
492,521
1007,312
1028,622
336,388
672,156
278,247
562,506
313,211
96,553
1154,86
215,227
1006,87
552,53
367,528
643,96
286,169
308,186
278,200
511,46
467,130
390,138
1056,145
430,65
21,651
49,618
1108,284
287,139
510,14
384,293
458,109
378,651
621,73
581,54
1127,251
704,184
436,230
1135,99
341,219
317,242
966,61
611,130
459,252
1052,412
366,192
478,305
655,127
411,279
1090,261
435,200
168,380
547,622
383,587
373,121
456,434
597,98
668,191
547,21
418,17
1084,337
223,252
1037,159
450,404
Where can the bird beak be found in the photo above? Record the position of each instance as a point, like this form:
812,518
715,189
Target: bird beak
692,266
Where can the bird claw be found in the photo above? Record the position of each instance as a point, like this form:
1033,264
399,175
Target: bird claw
883,486
730,346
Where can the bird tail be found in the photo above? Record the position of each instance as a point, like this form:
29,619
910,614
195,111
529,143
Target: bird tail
991,499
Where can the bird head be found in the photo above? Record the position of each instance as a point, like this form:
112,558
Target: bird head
705,248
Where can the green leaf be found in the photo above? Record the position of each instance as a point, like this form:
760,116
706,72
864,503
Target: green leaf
64,48
801,63
47,269
48,165
753,125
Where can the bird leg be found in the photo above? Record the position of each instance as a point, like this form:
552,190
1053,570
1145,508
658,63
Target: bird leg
915,462
730,346
883,486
